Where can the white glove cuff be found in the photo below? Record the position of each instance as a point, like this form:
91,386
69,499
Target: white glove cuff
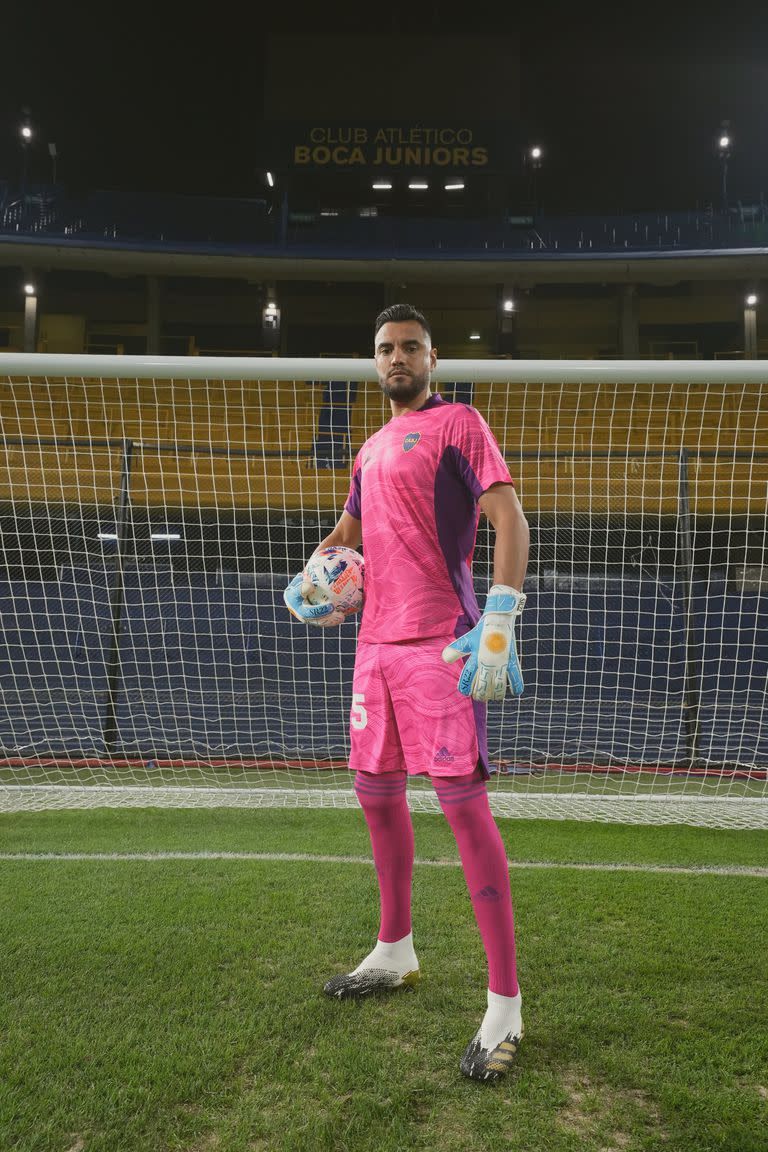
505,598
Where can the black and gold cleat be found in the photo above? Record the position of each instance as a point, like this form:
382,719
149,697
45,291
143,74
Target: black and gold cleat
355,985
490,1065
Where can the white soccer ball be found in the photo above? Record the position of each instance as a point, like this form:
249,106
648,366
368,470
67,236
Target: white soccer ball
336,576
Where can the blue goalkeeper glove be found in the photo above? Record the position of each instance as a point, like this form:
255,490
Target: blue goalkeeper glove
491,648
321,615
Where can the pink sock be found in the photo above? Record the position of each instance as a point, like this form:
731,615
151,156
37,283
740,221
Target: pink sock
385,807
464,801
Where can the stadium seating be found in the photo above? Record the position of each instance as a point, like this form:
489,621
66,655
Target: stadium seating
251,444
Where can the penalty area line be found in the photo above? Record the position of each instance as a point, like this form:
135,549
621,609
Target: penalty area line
317,858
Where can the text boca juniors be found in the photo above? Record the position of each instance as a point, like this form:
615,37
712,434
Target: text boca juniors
391,147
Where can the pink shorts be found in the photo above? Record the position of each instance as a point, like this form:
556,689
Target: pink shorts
408,715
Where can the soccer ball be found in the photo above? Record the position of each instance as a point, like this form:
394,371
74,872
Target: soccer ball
336,575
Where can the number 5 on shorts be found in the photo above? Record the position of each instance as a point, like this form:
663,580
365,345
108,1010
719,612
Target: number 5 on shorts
358,717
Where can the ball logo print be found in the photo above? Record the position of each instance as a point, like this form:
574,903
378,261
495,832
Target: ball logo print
336,574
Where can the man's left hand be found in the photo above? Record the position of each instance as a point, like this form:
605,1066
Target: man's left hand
493,661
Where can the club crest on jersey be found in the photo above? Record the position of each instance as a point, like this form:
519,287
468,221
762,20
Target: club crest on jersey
411,441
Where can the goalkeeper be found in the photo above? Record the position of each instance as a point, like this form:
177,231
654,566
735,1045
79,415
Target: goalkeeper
418,486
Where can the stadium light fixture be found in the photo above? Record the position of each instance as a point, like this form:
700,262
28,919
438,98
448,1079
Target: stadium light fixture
270,316
381,186
106,536
418,186
534,158
457,187
724,148
474,335
750,326
270,180
30,316
26,134
509,305
165,537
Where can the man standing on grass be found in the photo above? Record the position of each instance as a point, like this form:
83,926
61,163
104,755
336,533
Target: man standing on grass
418,486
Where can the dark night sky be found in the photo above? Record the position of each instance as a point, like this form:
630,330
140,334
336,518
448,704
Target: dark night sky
627,100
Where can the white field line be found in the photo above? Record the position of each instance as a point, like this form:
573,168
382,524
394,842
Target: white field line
314,858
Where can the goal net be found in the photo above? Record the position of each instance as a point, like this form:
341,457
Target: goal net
154,509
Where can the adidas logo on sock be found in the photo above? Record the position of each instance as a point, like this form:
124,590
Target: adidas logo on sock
444,756
489,893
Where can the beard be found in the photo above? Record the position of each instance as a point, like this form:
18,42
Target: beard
404,388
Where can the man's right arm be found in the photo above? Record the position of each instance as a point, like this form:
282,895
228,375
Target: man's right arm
348,532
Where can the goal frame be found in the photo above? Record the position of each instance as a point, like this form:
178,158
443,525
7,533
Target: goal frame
722,810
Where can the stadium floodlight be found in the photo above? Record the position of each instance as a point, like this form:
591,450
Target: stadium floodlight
534,158
382,186
165,537
724,148
418,186
474,335
270,180
751,300
26,134
509,305
30,289
456,187
271,316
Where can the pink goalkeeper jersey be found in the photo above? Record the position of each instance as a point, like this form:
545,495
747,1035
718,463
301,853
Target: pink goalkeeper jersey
415,487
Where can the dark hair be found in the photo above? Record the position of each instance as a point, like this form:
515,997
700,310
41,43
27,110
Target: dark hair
399,314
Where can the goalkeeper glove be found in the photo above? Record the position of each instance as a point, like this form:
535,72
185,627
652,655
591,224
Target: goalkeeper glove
321,615
491,648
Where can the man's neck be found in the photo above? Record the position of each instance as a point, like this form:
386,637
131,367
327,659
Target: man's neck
418,402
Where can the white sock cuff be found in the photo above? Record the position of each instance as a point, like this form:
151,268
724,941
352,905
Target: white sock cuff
503,1003
395,947
502,1017
397,955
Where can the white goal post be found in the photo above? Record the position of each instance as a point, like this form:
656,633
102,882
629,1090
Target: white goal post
152,510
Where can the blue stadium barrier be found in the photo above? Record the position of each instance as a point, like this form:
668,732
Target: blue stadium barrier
212,666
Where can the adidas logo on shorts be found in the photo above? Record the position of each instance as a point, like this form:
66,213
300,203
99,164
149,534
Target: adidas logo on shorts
444,756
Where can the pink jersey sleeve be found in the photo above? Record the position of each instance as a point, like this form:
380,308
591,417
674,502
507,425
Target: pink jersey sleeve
479,457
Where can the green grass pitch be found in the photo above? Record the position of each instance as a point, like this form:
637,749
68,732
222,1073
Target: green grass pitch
174,1004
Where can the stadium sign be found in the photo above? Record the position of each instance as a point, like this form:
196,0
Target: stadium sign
385,147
